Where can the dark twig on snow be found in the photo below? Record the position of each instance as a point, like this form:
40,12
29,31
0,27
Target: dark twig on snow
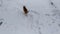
52,3
1,23
25,10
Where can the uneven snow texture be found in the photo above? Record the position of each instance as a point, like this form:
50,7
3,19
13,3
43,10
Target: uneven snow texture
43,17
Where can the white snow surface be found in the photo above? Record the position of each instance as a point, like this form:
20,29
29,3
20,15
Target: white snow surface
43,18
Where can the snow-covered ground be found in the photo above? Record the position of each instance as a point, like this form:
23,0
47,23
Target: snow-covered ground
43,17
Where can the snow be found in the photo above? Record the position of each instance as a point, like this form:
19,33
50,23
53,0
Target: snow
43,18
